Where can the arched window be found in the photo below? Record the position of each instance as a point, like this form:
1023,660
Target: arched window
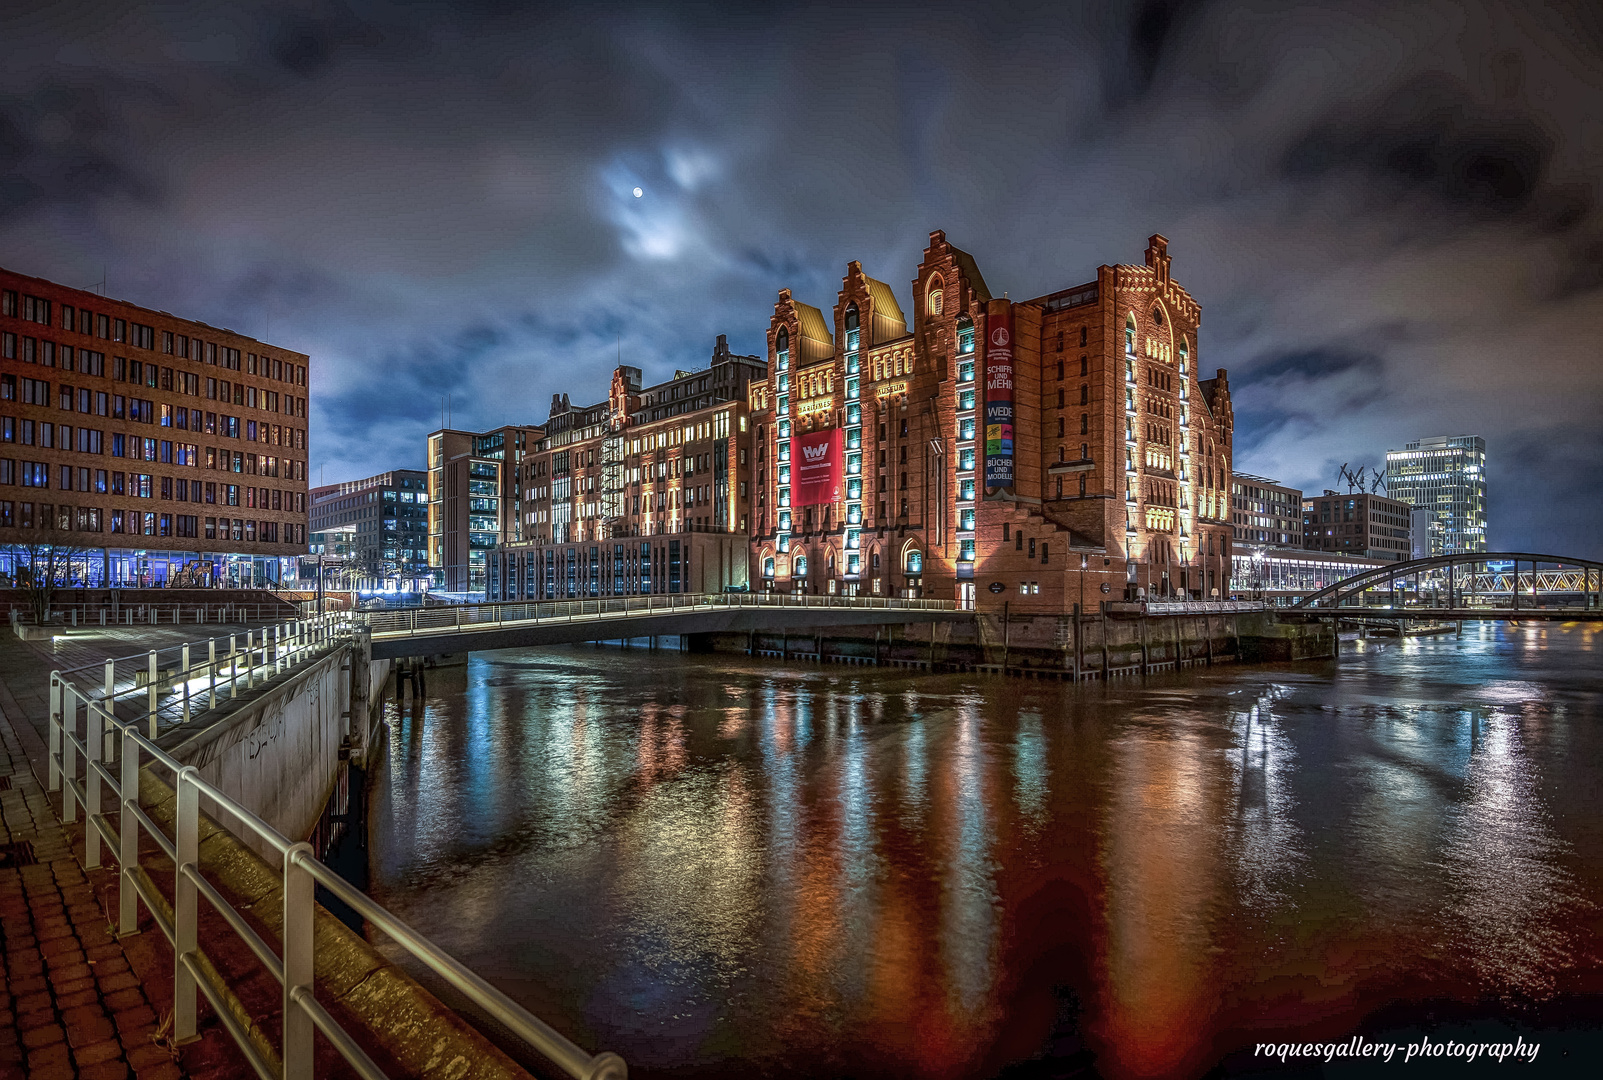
1157,315
1183,353
853,334
935,301
801,567
782,347
1129,335
768,568
915,561
965,335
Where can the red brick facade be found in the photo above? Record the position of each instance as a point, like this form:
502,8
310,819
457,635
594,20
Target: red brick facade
1121,453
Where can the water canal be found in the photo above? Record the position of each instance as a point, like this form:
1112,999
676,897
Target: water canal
716,865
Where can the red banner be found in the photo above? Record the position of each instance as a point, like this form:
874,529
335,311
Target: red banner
999,399
815,467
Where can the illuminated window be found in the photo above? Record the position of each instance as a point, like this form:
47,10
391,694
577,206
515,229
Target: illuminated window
935,301
965,335
1129,335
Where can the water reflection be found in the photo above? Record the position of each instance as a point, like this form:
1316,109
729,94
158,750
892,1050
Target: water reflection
717,864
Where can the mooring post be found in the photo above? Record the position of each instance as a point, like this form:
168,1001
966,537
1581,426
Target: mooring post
361,647
1104,672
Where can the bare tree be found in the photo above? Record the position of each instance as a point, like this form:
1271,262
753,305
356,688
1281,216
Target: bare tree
41,570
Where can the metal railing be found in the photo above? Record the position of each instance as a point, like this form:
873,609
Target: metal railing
1186,607
142,614
454,616
96,761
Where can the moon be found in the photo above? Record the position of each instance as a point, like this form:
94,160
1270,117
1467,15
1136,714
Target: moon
638,193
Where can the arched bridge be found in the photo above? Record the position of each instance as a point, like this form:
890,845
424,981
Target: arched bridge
1505,585
516,624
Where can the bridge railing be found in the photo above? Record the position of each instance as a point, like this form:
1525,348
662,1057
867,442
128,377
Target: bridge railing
95,761
456,616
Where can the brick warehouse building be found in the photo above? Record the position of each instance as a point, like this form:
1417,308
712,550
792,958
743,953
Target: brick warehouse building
1043,453
159,450
643,493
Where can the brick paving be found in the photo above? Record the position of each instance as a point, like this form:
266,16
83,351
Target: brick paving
76,1001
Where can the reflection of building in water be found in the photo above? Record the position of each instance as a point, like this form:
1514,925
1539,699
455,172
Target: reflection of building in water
1287,576
1169,799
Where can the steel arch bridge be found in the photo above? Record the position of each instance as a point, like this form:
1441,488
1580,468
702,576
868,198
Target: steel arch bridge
1481,585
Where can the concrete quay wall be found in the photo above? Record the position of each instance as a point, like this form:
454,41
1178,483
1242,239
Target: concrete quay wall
279,752
1061,646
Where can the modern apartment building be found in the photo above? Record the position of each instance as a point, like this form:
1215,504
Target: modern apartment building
383,526
1044,454
156,450
1359,523
1264,512
1446,475
646,492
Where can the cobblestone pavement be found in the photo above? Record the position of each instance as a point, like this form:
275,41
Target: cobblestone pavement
76,1001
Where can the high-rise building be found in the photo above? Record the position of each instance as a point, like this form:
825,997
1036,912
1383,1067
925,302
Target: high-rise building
1359,523
382,527
155,450
1447,476
646,492
1042,453
1264,512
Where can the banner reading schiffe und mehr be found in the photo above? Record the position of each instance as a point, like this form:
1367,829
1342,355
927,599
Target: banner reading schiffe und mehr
999,398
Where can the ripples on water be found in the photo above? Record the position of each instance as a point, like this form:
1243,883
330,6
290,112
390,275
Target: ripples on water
713,864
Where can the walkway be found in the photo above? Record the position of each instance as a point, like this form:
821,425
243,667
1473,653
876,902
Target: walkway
76,1001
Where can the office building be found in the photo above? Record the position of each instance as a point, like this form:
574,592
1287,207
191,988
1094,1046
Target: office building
1264,512
1043,454
1446,475
156,450
387,519
646,492
472,500
1423,542
1360,524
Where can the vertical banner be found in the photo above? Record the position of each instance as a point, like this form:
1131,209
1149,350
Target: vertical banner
816,467
999,398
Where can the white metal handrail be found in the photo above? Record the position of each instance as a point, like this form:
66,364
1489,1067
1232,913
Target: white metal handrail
149,613
103,742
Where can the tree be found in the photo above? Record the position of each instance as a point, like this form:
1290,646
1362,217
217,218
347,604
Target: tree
41,570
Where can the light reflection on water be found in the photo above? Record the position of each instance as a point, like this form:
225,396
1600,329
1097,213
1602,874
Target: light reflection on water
713,863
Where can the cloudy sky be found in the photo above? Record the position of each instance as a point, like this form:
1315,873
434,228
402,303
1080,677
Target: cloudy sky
1389,212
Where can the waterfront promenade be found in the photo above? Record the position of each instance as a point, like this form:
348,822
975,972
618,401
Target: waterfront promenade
76,1000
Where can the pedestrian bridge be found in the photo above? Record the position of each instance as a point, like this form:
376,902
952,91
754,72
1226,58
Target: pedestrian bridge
518,624
1505,585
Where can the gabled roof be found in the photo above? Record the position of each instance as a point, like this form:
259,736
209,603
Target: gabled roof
889,322
971,271
817,342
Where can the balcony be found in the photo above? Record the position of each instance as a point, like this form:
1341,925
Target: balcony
1064,468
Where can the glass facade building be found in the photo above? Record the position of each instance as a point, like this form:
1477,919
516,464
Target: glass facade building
1445,475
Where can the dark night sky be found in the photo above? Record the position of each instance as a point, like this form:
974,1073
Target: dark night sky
1389,212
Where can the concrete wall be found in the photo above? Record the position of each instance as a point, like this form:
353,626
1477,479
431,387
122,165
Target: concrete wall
1060,644
279,752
